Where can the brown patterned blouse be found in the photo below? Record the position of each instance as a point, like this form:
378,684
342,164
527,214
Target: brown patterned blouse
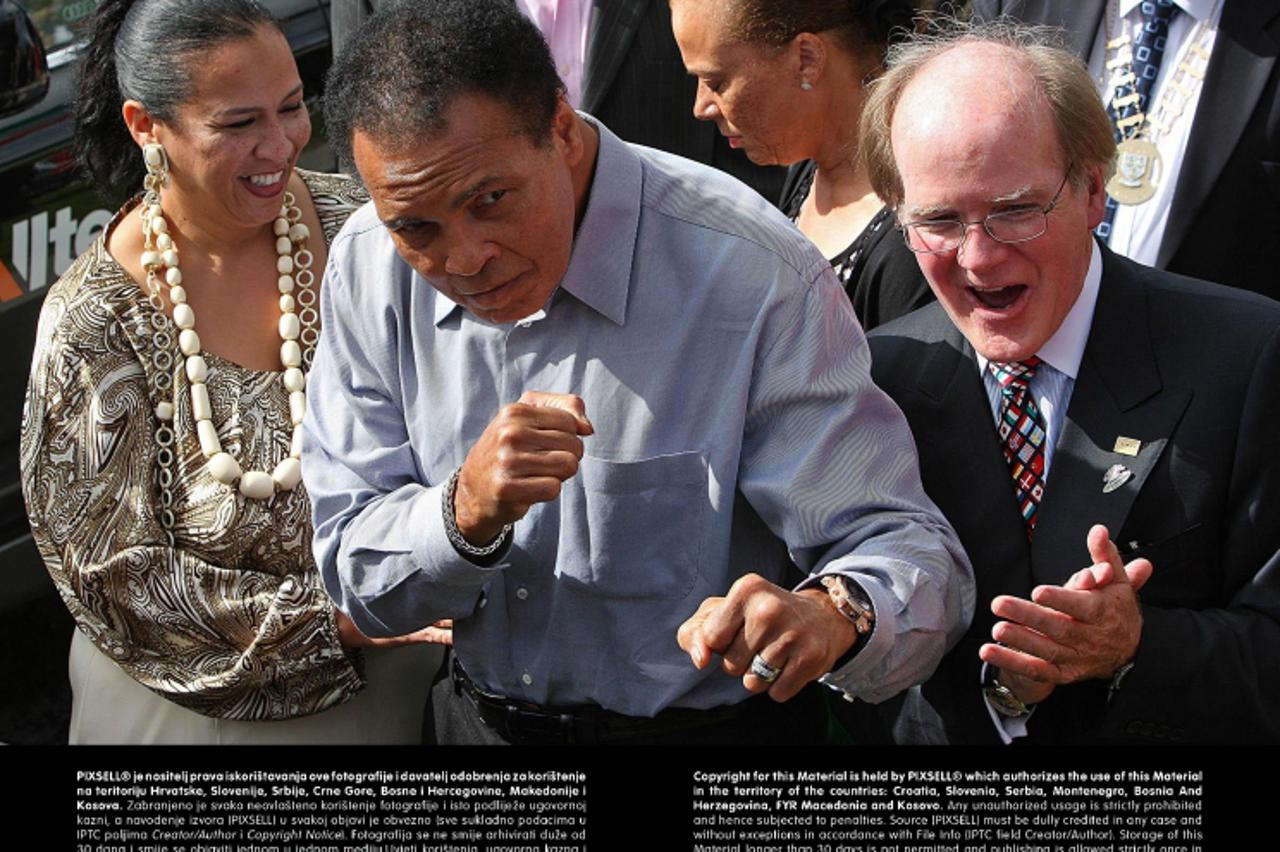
232,621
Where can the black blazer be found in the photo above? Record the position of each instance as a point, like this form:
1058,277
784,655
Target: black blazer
1191,370
635,82
1225,218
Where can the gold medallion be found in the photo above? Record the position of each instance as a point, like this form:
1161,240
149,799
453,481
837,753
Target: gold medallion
1137,171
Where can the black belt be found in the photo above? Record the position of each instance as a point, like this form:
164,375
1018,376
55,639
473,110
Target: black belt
524,723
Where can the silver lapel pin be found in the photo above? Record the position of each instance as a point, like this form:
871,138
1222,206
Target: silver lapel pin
1115,476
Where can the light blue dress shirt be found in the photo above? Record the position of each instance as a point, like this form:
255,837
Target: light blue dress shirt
735,424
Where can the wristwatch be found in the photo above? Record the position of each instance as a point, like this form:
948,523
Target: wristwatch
852,602
1002,697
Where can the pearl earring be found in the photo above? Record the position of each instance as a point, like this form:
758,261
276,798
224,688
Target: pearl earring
806,86
157,163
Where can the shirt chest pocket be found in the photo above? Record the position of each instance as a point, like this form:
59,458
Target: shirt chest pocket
634,529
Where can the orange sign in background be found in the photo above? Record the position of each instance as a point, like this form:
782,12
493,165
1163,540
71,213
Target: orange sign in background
9,288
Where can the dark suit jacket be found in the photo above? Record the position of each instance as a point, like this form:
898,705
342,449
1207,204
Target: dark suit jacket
636,84
1226,206
1190,369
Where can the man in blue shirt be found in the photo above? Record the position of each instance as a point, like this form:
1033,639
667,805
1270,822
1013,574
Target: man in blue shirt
591,401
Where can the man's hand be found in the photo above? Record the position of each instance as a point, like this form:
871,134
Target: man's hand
523,456
1086,628
440,633
800,633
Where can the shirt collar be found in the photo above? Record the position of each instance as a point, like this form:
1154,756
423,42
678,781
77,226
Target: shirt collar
599,273
1065,349
1198,9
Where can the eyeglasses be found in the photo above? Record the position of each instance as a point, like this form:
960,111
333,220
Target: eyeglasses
940,236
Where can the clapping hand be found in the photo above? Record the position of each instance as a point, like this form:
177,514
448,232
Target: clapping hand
1086,628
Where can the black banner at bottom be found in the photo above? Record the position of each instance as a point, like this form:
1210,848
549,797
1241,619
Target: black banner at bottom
839,799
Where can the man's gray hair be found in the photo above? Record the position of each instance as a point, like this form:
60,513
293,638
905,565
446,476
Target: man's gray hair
1083,127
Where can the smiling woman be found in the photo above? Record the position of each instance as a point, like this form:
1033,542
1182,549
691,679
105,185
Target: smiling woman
160,465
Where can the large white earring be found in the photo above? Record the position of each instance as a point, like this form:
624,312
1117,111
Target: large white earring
157,163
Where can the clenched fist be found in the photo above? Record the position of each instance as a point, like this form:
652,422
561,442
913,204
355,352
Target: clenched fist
523,456
800,633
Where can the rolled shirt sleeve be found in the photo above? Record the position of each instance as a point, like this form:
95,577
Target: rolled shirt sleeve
830,464
380,534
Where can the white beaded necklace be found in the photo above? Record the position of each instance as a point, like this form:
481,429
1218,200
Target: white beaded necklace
293,265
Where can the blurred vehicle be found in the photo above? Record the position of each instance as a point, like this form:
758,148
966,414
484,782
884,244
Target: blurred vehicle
49,214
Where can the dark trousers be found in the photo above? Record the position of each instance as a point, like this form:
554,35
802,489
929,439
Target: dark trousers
762,721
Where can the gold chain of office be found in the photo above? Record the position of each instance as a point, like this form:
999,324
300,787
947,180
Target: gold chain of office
1138,164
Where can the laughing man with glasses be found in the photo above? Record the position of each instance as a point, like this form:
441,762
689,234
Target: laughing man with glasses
1101,434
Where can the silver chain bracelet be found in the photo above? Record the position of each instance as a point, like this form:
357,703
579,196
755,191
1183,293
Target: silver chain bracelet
456,538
